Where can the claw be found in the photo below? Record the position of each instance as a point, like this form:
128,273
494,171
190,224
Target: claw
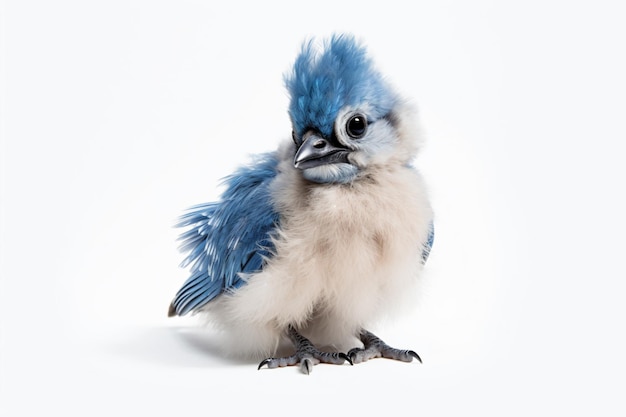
306,366
352,356
263,363
415,355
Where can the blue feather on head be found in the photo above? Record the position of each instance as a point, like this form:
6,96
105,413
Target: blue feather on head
322,83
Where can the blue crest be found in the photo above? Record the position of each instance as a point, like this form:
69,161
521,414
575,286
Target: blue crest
323,82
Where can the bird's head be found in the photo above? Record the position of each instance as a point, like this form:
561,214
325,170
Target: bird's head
345,117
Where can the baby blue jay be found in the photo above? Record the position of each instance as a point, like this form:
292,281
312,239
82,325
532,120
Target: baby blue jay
315,241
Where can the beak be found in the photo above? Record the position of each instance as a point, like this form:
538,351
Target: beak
316,151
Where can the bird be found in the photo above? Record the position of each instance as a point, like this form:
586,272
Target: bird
309,245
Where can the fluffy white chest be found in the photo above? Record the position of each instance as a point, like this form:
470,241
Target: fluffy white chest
344,254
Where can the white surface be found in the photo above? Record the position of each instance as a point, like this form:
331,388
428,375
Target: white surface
118,115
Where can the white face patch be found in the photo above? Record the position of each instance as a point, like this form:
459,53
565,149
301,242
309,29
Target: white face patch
376,144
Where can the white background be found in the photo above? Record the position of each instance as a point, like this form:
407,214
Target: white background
118,115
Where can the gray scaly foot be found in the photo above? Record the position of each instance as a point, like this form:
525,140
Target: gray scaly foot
374,347
307,355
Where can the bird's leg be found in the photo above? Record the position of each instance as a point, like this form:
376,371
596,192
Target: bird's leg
307,355
374,347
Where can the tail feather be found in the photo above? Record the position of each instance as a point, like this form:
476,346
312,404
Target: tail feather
171,312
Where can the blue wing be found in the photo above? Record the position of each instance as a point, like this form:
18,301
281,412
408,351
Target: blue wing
228,237
429,243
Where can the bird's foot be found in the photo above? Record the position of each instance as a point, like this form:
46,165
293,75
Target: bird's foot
374,347
307,355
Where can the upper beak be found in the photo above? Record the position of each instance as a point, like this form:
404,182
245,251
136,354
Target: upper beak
316,151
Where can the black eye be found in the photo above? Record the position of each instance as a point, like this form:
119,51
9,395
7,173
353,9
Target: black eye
356,126
294,137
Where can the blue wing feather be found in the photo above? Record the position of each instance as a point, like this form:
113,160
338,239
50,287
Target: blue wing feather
429,243
229,237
